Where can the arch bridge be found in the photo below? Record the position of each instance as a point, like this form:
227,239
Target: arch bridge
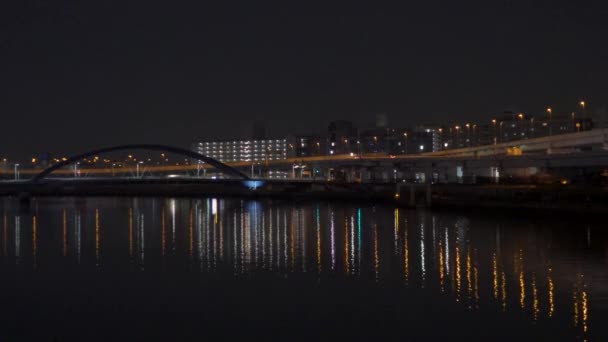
153,147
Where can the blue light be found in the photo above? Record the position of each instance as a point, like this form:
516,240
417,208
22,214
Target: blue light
253,184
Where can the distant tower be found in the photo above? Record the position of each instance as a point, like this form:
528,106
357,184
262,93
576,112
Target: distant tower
259,130
381,120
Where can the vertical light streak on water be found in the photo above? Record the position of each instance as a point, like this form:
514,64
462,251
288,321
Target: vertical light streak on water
585,311
535,307
396,230
495,276
34,239
302,232
141,241
130,232
220,223
359,241
441,268
78,229
172,203
17,238
575,303
97,238
522,283
333,239
65,231
207,233
253,219
163,232
263,233
376,254
422,255
406,255
551,289
270,239
318,231
285,224
346,247
469,273
190,232
447,253
457,268
292,239
235,255
214,234
278,239
503,291
198,222
352,244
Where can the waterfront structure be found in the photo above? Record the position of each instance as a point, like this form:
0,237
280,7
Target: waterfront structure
243,150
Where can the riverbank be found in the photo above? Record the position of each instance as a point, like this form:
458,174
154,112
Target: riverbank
564,199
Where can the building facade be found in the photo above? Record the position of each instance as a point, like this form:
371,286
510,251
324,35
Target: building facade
228,151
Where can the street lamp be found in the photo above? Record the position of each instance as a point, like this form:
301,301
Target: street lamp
550,112
16,171
405,137
494,126
521,119
137,167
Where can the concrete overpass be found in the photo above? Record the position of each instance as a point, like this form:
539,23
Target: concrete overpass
564,156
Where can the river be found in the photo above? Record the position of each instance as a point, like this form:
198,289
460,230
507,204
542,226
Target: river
88,269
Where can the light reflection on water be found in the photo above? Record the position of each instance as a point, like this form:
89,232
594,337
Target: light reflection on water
514,267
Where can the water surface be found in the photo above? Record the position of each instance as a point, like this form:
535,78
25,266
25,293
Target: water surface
77,269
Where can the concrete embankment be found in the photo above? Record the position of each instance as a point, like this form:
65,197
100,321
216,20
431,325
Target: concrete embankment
557,198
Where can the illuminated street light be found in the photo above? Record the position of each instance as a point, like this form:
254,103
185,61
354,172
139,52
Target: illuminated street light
137,167
550,112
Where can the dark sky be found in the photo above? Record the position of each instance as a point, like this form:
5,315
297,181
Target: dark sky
78,75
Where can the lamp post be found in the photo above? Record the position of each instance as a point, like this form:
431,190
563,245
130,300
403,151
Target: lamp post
550,112
494,126
405,137
16,171
531,127
521,121
137,167
573,114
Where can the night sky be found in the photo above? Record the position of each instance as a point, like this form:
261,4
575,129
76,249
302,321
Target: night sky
79,75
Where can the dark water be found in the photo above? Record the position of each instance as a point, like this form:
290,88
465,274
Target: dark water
142,269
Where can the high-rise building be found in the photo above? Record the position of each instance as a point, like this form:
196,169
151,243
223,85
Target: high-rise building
243,150
342,137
